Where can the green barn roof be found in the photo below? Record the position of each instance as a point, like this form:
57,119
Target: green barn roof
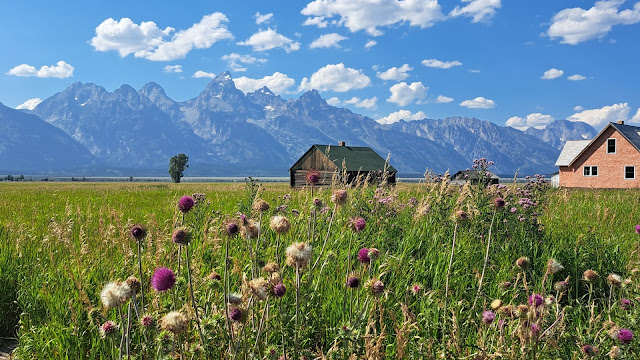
356,158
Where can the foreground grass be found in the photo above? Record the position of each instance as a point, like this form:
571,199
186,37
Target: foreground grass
61,243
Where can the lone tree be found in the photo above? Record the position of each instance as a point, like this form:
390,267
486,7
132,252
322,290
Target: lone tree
177,164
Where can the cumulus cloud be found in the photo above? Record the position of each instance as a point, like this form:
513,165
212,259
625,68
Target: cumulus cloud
61,70
364,103
369,15
203,74
479,103
536,120
327,41
260,18
404,94
578,108
173,68
576,77
402,115
335,77
433,63
479,10
234,60
599,117
269,39
279,83
552,73
29,104
576,25
334,101
636,117
148,41
441,99
370,44
318,21
395,73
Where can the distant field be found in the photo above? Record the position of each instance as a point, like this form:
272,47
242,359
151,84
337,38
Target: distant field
62,242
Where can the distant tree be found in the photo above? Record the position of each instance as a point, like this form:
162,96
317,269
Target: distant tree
177,164
9,177
21,178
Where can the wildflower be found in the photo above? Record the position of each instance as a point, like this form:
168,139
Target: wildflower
637,229
513,210
373,253
498,202
589,350
363,256
625,335
535,329
280,224
589,275
235,314
115,294
553,266
260,205
108,328
133,283
488,317
180,236
339,197
163,279
462,215
271,267
377,287
496,304
313,177
614,280
615,352
561,286
175,322
415,289
625,303
423,210
358,224
522,309
234,299
138,232
505,284
250,230
147,321
317,203
279,290
536,300
275,278
214,276
353,282
186,203
260,288
522,262
508,310
298,254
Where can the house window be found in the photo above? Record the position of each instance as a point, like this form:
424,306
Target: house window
629,172
590,171
611,146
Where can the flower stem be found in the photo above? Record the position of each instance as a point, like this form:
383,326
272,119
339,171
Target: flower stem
140,272
226,291
193,299
486,260
295,333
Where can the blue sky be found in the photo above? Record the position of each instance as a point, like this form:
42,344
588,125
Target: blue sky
520,63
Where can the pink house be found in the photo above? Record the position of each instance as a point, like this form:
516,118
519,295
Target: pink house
610,160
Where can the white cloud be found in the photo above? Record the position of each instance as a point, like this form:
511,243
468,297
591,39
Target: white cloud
599,117
278,83
173,68
402,115
404,94
636,117
433,63
578,108
364,103
335,77
260,18
334,101
370,44
395,73
29,104
369,15
148,41
235,59
318,21
269,39
475,71
61,70
479,10
441,99
576,25
479,103
203,74
327,41
576,77
552,73
536,120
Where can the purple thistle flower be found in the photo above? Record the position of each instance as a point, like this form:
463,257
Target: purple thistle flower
359,224
353,282
163,279
625,335
363,256
488,317
313,176
232,229
235,314
279,290
108,328
186,203
535,329
180,236
637,229
498,202
147,321
589,350
138,232
625,303
536,300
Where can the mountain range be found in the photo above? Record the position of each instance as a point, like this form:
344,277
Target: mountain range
225,132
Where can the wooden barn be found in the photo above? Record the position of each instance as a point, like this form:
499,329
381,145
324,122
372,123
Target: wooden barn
473,176
328,160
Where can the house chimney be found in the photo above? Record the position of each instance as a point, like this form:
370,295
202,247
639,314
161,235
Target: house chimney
341,143
621,122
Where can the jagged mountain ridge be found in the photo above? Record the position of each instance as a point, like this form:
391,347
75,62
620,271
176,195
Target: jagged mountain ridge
559,131
230,131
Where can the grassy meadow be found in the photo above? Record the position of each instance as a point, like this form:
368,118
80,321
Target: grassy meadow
416,271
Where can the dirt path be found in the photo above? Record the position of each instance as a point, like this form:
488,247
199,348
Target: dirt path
6,349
